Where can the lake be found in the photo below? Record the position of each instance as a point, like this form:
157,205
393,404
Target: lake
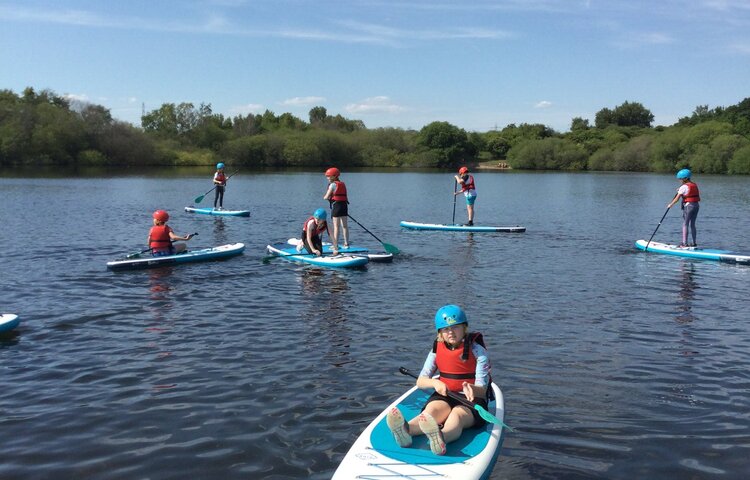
614,363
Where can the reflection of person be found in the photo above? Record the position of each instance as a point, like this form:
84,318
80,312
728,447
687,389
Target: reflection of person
311,231
464,368
468,189
220,180
690,196
337,197
161,236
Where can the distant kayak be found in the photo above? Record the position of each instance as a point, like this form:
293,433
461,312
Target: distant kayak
283,250
8,322
380,257
220,211
461,228
146,260
375,453
694,252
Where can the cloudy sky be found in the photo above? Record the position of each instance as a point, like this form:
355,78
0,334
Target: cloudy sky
478,64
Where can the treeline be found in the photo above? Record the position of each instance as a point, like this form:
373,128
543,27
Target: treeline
38,128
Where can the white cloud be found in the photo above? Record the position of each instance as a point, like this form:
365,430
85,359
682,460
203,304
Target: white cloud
77,97
742,48
378,104
245,109
543,104
303,101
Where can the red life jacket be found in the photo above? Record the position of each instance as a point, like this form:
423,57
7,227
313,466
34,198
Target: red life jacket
221,178
468,184
339,195
458,365
692,195
160,240
318,230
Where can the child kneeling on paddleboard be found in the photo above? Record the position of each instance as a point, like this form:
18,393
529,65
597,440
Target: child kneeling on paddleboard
464,368
311,231
161,236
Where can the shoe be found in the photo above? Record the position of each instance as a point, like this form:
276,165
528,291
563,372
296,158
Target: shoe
346,245
432,430
398,427
682,245
471,224
692,245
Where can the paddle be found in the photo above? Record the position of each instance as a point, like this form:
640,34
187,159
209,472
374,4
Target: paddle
657,228
388,247
133,255
487,416
455,187
200,199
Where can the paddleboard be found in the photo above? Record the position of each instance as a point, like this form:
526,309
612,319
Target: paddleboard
214,211
380,257
694,252
375,454
8,322
283,250
146,260
461,228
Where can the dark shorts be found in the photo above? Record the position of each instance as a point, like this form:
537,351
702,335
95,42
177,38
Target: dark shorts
339,209
478,421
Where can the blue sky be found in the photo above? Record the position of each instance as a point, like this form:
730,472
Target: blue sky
478,64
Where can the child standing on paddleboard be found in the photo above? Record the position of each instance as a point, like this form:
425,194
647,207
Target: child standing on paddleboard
339,201
161,237
464,368
690,196
311,231
220,180
466,180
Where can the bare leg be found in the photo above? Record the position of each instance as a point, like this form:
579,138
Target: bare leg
345,230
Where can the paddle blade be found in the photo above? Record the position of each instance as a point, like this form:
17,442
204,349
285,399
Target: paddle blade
391,248
488,417
199,199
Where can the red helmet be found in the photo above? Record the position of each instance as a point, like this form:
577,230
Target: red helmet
161,216
333,172
463,170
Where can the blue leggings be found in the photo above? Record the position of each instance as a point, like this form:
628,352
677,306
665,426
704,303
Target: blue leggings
689,214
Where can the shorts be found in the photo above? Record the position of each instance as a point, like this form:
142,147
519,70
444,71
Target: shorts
339,209
478,421
471,199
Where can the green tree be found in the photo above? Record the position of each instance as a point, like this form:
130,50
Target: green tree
449,143
318,115
629,114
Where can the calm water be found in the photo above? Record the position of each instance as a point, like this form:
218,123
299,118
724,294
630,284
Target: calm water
614,363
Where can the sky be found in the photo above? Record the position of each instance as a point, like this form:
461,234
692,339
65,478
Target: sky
477,64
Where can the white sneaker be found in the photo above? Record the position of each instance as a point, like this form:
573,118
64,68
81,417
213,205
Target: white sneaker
398,427
430,428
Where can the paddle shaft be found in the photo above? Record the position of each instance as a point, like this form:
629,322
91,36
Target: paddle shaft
200,199
455,187
388,247
657,228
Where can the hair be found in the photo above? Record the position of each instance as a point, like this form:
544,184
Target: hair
466,332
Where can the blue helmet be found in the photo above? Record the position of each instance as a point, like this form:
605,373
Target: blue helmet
449,315
219,165
320,214
684,173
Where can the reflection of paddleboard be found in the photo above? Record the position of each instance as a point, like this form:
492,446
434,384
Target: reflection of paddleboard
8,322
381,257
461,228
375,453
146,260
336,261
694,252
214,211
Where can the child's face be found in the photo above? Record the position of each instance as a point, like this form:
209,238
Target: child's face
330,179
319,221
453,334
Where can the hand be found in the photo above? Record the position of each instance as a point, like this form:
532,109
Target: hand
468,391
440,388
317,252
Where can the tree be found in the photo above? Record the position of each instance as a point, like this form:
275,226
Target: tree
450,143
629,114
317,115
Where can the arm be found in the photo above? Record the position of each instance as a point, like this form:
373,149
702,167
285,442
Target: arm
425,380
680,192
177,238
329,191
308,236
481,374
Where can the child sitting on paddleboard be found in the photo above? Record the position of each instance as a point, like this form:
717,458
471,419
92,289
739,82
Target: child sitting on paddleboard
690,196
339,202
161,236
466,180
464,368
220,180
311,231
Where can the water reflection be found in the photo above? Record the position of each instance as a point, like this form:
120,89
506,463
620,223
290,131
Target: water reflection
688,286
220,235
325,309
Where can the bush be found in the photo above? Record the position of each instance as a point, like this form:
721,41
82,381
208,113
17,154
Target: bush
740,162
